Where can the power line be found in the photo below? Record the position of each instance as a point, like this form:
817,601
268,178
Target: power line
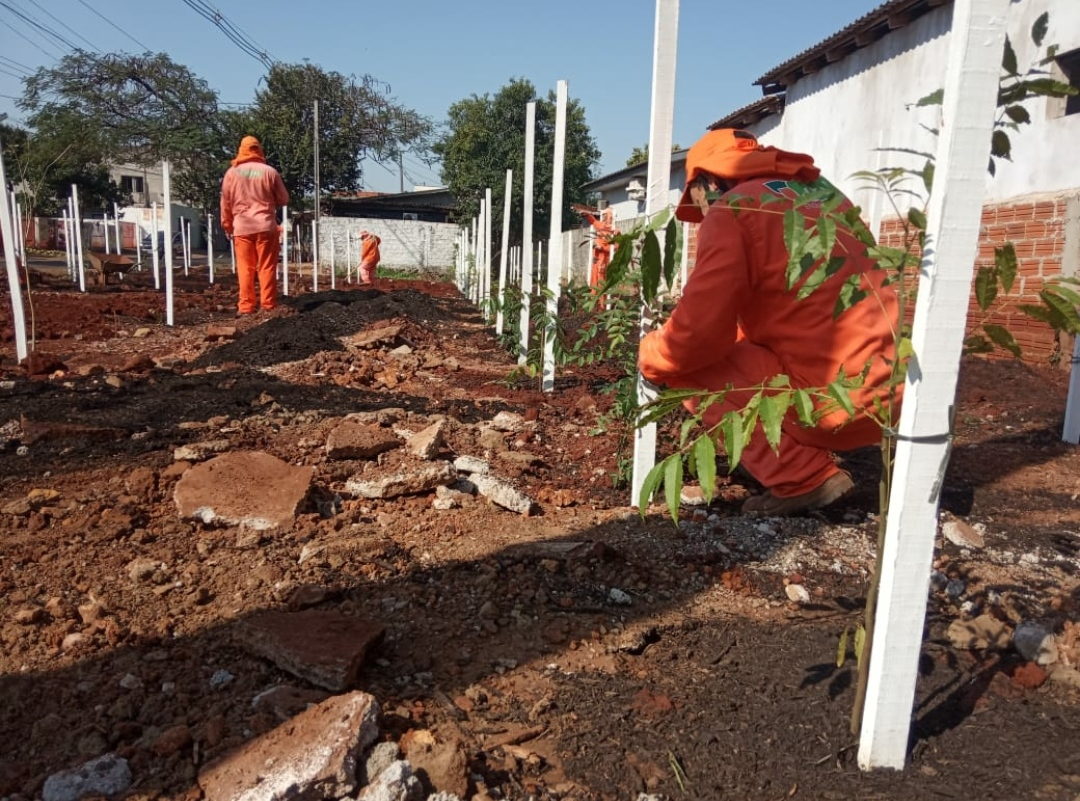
12,74
45,11
15,65
128,35
232,32
38,25
22,36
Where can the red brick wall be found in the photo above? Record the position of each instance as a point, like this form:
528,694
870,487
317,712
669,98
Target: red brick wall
1037,230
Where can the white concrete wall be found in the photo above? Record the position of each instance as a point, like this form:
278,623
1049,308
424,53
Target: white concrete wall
865,101
406,244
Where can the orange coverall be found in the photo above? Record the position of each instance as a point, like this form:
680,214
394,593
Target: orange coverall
251,192
601,245
369,256
737,323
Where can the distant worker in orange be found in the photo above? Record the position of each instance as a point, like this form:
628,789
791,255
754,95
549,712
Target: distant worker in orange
738,324
251,193
369,257
604,229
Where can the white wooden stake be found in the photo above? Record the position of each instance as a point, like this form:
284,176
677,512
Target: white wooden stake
185,241
684,261
78,238
487,252
18,316
119,238
138,242
333,263
105,229
971,86
285,251
1071,432
167,195
67,242
153,245
314,255
348,257
547,383
71,237
210,246
500,317
665,48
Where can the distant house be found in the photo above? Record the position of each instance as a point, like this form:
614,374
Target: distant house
429,204
624,190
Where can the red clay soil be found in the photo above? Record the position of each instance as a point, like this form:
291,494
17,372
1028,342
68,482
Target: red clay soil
503,631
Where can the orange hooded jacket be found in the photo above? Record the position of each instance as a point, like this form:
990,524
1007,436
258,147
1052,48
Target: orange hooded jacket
369,248
251,192
738,287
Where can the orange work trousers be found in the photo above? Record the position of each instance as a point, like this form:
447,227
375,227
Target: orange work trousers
367,271
804,459
257,257
600,262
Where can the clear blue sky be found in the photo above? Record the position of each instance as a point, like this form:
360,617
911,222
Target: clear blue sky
435,52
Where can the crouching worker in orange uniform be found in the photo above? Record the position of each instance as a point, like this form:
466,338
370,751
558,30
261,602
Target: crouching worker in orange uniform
251,193
738,324
369,257
604,230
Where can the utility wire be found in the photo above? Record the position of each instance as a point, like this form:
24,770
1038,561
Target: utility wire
56,19
128,35
12,74
38,25
22,36
232,32
11,63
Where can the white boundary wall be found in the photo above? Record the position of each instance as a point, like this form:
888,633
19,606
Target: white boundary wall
406,244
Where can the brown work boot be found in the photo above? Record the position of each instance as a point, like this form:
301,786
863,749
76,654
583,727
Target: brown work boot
830,490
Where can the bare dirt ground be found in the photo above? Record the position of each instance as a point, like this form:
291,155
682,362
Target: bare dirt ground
580,652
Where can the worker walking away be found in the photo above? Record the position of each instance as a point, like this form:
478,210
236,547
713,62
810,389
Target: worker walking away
604,229
738,324
251,193
369,257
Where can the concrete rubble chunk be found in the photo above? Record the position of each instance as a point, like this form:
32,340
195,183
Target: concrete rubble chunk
355,440
248,488
981,633
313,756
396,782
472,464
200,451
963,535
502,494
326,649
426,444
413,482
1035,642
107,775
507,421
384,335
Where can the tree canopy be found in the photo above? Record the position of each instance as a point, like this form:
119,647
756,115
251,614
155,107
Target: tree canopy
486,136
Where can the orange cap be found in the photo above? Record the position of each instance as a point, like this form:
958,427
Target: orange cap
736,155
249,150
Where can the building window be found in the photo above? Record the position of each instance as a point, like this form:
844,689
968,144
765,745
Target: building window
132,184
1069,64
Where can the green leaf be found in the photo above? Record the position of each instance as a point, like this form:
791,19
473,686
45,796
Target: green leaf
841,647
860,643
684,432
650,266
705,462
1066,317
1001,337
673,473
932,99
649,486
917,218
1006,264
1018,114
1039,29
772,411
839,393
905,348
1000,146
734,441
928,175
804,407
671,241
986,287
795,238
1008,60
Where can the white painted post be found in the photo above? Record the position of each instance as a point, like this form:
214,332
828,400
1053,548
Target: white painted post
153,245
138,242
18,315
285,251
475,277
185,242
481,226
348,256
78,238
167,195
105,228
487,250
500,317
67,242
119,237
665,48
71,237
952,237
333,263
210,246
554,275
314,255
20,229
684,262
1071,432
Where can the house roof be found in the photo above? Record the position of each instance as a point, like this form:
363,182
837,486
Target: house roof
434,200
751,113
864,31
621,176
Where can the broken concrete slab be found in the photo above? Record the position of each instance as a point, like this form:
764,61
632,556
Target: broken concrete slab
502,494
326,649
311,757
248,488
426,444
355,440
413,482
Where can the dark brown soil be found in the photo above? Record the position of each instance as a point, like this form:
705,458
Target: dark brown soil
501,631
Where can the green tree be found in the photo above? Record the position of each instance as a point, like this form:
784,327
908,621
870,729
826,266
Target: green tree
640,155
357,120
486,137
